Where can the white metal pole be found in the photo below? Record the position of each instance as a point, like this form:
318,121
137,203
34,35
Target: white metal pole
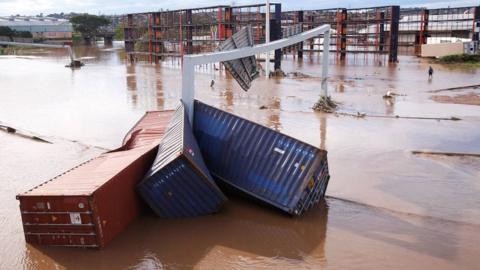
267,38
326,52
188,84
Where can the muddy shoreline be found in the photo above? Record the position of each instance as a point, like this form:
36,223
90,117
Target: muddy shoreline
467,99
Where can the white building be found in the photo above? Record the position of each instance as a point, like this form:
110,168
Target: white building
40,27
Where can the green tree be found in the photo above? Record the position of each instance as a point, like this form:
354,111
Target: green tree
5,31
119,34
88,25
23,34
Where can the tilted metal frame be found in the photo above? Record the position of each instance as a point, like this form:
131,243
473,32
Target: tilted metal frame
190,61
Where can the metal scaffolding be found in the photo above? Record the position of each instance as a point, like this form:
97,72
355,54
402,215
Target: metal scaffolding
379,31
425,26
154,36
367,30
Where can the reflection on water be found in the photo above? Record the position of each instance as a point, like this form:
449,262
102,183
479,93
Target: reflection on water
245,235
390,106
337,234
323,131
132,83
159,91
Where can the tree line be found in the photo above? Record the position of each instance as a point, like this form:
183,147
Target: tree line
6,31
87,25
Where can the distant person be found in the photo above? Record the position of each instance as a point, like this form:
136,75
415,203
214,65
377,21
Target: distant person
430,72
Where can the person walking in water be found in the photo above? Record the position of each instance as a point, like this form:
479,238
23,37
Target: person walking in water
430,72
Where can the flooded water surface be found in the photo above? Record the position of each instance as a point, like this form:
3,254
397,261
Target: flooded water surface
385,207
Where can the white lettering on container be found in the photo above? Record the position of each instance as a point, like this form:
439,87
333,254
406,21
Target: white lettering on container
278,150
75,218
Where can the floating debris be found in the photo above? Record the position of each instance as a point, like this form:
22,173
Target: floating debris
299,75
422,152
75,64
278,73
23,133
325,104
389,95
361,115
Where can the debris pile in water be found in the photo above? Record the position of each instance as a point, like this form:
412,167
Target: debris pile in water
75,64
298,75
278,73
325,104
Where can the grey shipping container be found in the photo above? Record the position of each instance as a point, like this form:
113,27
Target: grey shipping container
178,183
244,70
273,167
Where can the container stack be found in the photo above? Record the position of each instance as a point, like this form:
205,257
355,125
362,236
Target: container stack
90,204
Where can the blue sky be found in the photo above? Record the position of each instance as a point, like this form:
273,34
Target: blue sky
32,7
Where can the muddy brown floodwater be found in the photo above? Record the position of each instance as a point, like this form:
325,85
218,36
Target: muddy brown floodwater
385,209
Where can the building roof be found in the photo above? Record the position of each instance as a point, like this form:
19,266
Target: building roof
36,24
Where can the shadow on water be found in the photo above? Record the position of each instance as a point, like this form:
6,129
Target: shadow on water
151,242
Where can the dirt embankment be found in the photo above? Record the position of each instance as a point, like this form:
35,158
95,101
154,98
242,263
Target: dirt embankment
468,99
460,59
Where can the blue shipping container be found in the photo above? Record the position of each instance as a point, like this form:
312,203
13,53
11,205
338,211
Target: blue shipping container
178,183
273,167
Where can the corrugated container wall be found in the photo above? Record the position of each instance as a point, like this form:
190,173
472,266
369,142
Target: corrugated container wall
90,204
244,70
179,184
278,169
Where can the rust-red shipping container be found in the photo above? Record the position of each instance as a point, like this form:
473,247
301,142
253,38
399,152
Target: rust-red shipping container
88,205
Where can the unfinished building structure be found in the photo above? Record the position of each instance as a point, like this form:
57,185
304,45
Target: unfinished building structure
442,25
366,30
379,31
155,35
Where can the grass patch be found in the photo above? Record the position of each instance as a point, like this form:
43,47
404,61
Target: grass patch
6,50
77,38
465,59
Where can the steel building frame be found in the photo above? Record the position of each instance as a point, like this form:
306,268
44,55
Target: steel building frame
419,25
372,30
156,35
380,30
